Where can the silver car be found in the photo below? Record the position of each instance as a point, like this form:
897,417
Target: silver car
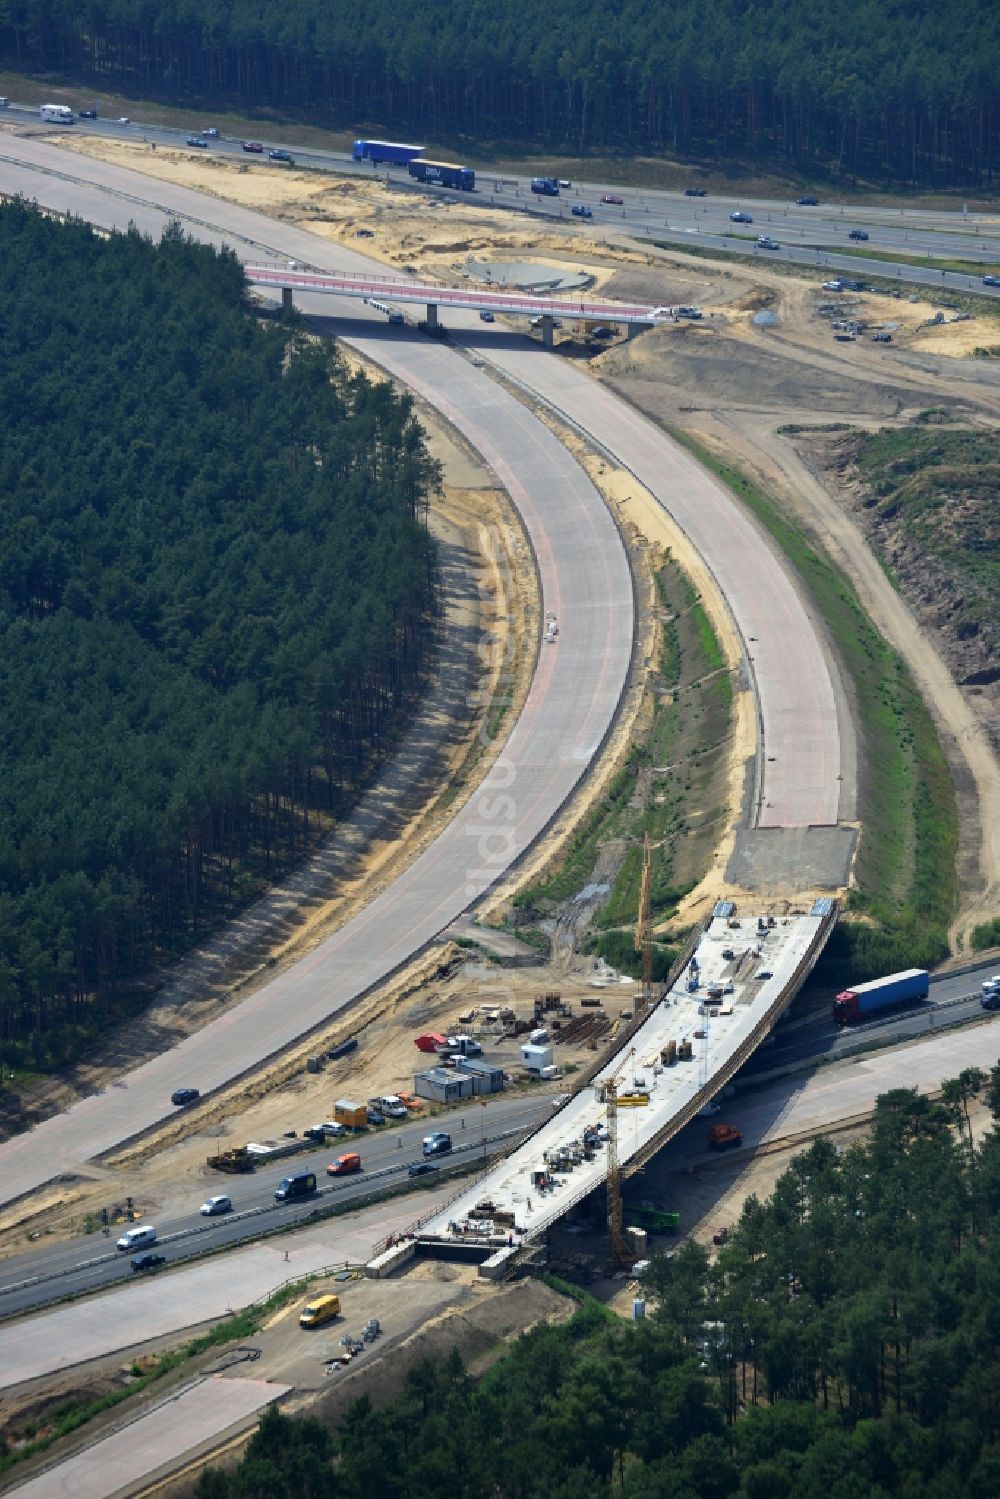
213,1206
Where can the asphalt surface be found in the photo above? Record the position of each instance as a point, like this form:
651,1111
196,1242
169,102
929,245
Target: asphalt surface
88,1261
806,235
585,582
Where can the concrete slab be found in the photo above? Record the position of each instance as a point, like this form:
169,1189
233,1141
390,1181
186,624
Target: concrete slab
805,858
176,1427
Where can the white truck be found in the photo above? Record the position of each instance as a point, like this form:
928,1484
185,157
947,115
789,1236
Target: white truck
57,114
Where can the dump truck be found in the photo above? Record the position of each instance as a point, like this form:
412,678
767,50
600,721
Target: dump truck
863,1000
233,1161
721,1135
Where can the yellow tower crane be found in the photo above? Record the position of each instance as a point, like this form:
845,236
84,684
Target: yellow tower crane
644,930
619,1246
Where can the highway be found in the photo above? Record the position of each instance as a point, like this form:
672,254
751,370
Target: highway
807,235
89,1261
585,581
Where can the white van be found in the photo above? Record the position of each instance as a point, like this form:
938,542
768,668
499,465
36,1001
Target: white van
138,1238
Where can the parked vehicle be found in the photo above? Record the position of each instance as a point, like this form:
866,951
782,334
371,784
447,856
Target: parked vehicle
292,1188
881,338
582,211
375,1116
390,151
323,1309
739,217
182,1096
213,1206
612,198
722,1135
720,1236
858,234
344,1165
139,1237
863,1000
437,1144
486,316
547,186
148,1261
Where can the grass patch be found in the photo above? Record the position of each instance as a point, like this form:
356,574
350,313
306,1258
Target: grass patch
907,881
987,934
669,787
925,262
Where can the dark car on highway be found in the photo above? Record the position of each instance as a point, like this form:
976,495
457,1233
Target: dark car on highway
582,211
807,202
148,1261
88,114
858,234
694,192
421,1168
278,155
196,140
991,280
181,1096
739,217
256,146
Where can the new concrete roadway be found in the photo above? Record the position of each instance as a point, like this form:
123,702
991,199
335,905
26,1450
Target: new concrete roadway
585,582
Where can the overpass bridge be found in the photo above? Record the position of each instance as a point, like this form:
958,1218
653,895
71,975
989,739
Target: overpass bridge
757,962
407,289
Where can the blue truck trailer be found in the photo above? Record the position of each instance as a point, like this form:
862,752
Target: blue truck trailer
443,174
380,151
863,1000
547,186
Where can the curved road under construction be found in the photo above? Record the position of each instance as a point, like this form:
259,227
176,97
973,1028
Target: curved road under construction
576,688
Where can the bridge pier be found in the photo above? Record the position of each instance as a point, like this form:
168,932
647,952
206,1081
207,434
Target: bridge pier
286,301
632,330
548,331
432,315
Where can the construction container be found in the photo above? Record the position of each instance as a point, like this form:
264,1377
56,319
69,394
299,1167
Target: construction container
314,1064
685,1051
344,1049
490,1077
442,1086
351,1115
637,1240
430,1042
534,1058
638,1308
668,1054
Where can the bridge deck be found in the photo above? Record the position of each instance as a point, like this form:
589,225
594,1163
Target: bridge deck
787,951
408,289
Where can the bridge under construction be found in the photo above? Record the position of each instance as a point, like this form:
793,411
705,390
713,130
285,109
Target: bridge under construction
732,984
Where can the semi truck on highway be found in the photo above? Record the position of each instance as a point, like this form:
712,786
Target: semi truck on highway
864,1000
443,174
392,151
547,186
